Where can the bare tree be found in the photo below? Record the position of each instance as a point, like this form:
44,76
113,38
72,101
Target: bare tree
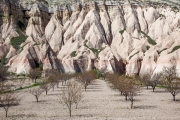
71,94
65,76
19,83
123,86
46,87
34,74
133,88
3,78
171,81
37,91
145,79
127,86
155,80
86,78
114,80
3,74
53,77
78,97
53,80
8,100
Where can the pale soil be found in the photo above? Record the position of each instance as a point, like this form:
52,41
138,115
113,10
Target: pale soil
99,103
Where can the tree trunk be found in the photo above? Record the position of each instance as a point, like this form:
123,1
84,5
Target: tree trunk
70,110
153,88
174,99
62,83
126,97
85,87
131,104
46,92
76,106
35,80
37,98
147,86
6,113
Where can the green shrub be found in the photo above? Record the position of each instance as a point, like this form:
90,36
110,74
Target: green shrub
36,44
122,31
175,48
83,52
73,54
98,73
17,41
159,52
133,55
150,40
147,47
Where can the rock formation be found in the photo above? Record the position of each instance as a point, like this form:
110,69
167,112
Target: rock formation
132,38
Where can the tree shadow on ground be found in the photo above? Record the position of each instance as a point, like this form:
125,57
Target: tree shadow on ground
160,91
144,107
85,115
93,90
55,94
23,115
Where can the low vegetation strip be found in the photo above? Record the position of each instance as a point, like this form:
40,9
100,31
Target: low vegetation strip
175,48
133,55
159,52
150,40
30,86
122,31
73,54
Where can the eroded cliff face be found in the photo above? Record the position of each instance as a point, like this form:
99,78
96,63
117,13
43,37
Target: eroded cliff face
125,38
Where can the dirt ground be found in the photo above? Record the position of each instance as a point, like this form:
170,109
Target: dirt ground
99,103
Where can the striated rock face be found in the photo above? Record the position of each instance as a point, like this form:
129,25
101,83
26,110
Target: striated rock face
112,37
53,33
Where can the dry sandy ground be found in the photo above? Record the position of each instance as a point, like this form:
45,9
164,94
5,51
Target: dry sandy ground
99,103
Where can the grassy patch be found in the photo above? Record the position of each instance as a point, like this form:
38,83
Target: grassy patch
150,40
95,51
30,86
133,55
36,44
159,52
83,52
147,47
73,54
8,17
175,48
17,41
122,31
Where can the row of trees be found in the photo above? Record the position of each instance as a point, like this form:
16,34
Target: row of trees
127,86
130,86
168,78
71,92
8,98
